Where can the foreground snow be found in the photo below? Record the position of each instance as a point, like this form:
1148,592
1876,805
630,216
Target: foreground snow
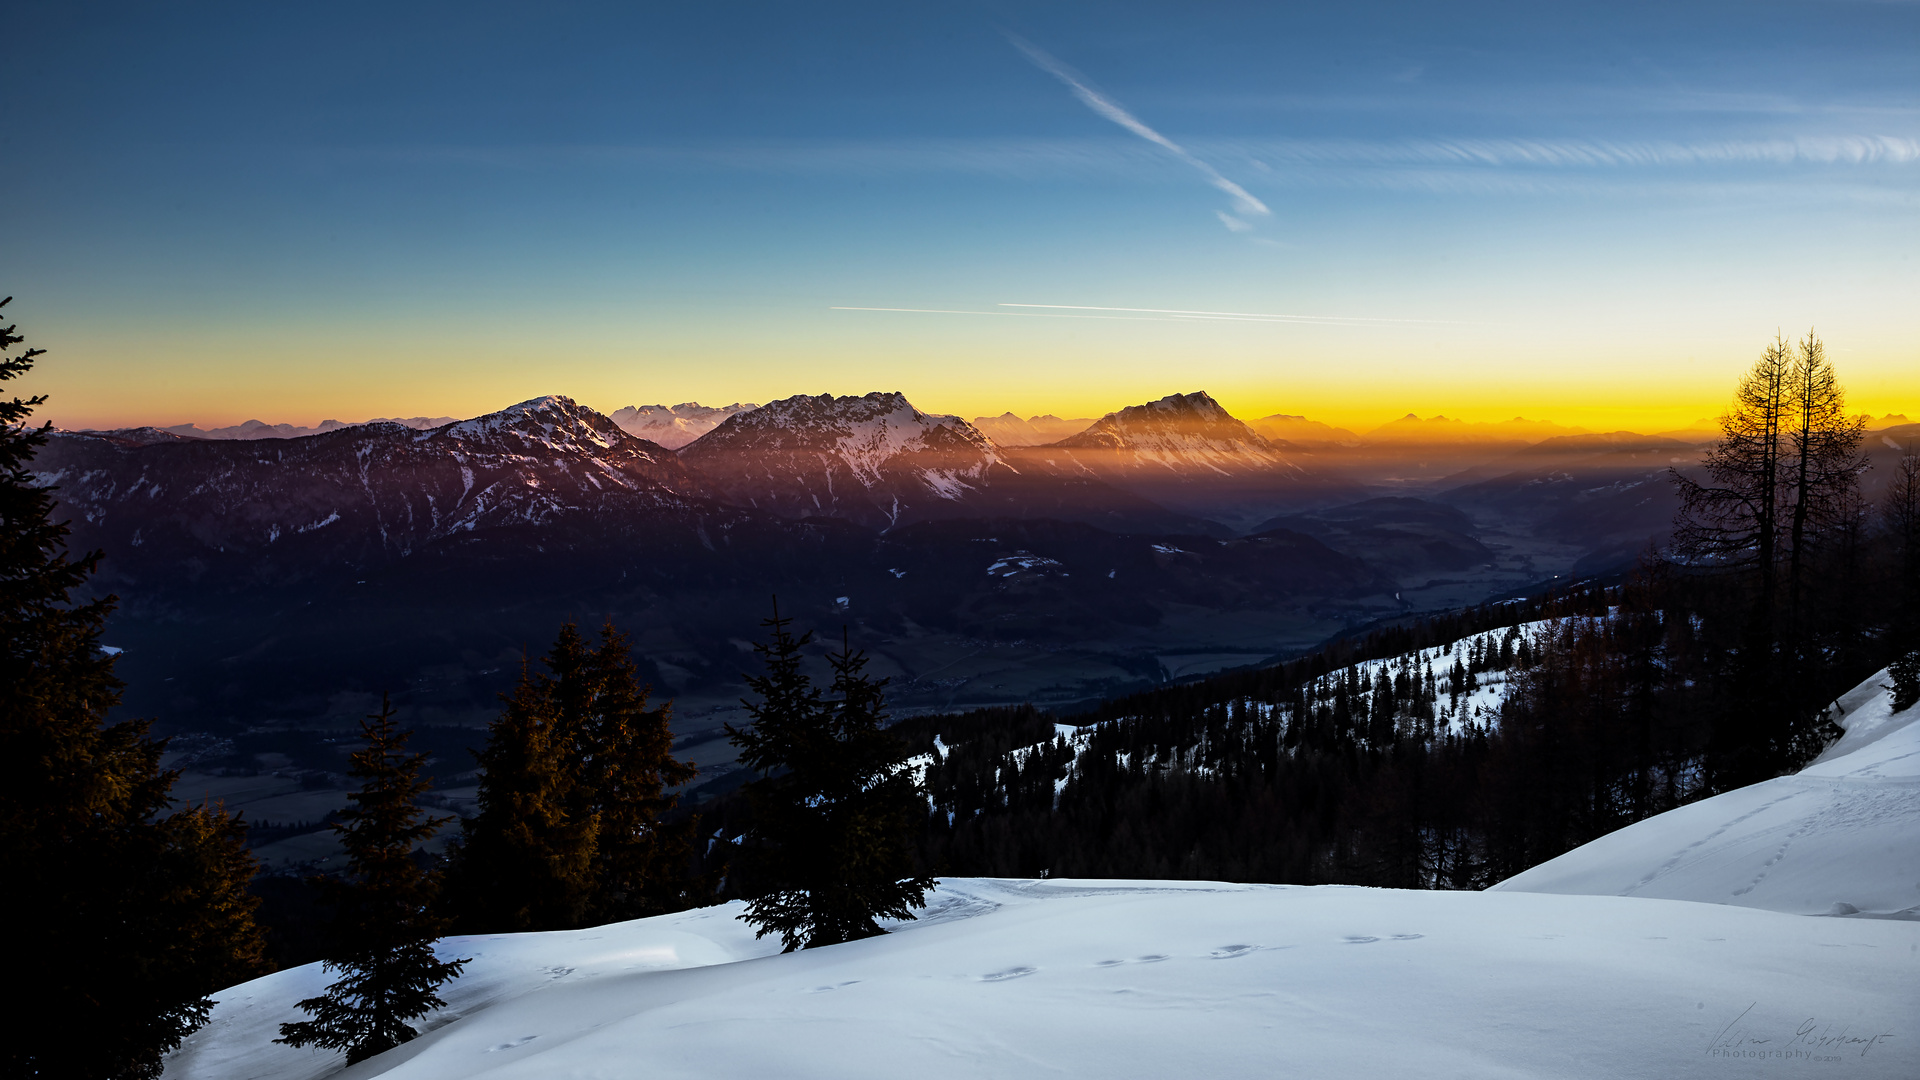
1699,966
1841,836
1163,979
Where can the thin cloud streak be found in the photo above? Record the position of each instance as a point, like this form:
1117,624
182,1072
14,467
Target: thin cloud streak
1008,314
1243,201
1248,315
1158,315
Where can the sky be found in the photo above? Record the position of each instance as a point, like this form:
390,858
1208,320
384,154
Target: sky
1594,213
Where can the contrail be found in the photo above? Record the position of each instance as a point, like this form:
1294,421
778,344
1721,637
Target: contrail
1243,201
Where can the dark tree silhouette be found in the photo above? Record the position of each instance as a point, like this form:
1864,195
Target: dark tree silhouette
384,926
570,828
126,916
831,851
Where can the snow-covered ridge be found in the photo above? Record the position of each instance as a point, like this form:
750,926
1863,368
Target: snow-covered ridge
874,458
1065,977
1840,837
552,422
867,433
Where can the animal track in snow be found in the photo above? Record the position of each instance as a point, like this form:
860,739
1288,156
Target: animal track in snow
510,1044
1228,952
1010,973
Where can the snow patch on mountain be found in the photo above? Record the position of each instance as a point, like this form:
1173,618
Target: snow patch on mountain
873,458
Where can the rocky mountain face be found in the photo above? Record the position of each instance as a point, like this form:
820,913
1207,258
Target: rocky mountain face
675,426
360,493
875,460
1189,454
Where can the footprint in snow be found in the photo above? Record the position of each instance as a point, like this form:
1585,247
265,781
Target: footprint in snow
824,989
510,1044
1228,952
1010,973
1360,939
1408,937
1150,958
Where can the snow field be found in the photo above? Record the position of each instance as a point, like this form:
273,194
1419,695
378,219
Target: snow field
1840,836
1157,979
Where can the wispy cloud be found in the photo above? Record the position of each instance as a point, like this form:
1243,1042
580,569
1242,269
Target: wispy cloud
1256,316
1133,314
1243,202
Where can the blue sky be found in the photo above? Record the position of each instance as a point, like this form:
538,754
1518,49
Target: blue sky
1590,212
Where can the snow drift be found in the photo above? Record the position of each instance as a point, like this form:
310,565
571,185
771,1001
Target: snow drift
1839,837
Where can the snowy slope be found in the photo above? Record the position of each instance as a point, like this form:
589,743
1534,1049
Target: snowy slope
1842,835
1154,979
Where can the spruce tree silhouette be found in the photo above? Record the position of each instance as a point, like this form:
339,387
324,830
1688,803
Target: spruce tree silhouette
125,919
569,831
831,849
384,927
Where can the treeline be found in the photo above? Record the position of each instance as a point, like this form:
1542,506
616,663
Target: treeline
1711,667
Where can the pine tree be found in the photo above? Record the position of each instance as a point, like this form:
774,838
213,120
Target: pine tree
384,926
525,860
625,754
569,831
1900,515
127,919
1735,520
834,810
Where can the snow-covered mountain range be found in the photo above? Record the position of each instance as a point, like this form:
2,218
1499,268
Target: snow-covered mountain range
677,425
365,489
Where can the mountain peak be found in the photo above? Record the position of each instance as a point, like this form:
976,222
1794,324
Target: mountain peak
873,457
1177,424
553,421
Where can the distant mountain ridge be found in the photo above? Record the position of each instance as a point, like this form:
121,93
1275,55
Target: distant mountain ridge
382,487
1009,430
260,429
675,426
1440,429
